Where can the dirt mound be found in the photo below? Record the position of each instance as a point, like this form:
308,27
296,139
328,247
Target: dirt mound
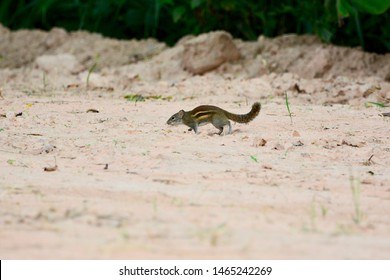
305,56
21,48
309,58
300,65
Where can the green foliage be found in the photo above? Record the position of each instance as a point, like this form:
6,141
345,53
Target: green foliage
376,7
138,97
135,97
254,158
346,8
378,104
345,22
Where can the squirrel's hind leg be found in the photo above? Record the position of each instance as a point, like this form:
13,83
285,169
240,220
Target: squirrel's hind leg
222,129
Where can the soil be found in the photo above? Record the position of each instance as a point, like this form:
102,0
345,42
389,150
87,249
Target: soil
86,173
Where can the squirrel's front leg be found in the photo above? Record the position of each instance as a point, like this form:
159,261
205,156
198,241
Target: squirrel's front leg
194,127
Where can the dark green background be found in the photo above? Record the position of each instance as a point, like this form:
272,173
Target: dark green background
169,20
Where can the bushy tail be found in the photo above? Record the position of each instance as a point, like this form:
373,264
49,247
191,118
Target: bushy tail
256,107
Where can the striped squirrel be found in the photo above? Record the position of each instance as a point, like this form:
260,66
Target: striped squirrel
211,114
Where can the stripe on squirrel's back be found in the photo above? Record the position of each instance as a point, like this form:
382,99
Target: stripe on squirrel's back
203,114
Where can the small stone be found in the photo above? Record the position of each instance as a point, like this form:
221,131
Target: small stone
368,181
296,134
266,166
259,142
208,51
353,142
47,148
298,143
278,147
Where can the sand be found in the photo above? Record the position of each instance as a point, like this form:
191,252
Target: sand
122,184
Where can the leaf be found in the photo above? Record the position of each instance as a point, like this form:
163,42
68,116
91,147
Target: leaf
178,12
196,3
254,158
343,8
375,7
90,71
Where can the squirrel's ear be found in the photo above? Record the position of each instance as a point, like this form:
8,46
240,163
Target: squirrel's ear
181,113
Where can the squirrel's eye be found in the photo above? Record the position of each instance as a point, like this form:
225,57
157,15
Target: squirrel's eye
172,118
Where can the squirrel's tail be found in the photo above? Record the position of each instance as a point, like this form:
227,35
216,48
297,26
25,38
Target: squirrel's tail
256,107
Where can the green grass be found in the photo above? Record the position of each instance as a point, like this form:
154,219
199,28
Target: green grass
288,108
135,98
212,234
254,158
157,97
141,98
313,215
378,104
90,70
356,194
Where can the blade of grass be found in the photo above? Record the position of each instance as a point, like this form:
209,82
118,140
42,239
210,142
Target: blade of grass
90,70
356,191
382,105
288,108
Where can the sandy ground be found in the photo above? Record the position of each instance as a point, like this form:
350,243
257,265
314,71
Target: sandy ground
127,186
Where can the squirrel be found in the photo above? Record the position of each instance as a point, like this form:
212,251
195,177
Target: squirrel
218,117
